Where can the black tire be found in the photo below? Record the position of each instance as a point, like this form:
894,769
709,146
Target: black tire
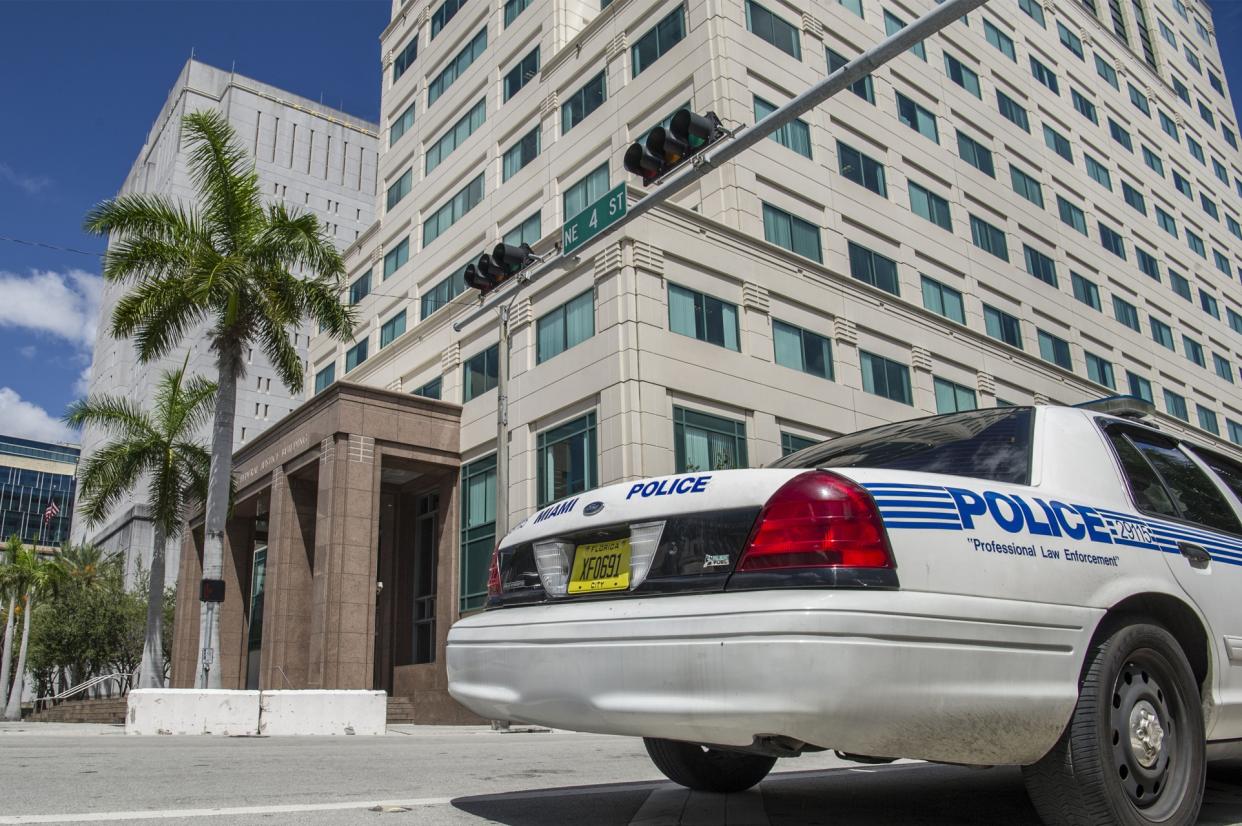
1112,767
707,770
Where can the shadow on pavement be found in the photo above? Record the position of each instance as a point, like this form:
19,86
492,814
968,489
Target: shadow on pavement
910,794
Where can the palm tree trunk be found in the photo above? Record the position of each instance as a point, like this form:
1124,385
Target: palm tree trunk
151,672
6,661
13,711
228,364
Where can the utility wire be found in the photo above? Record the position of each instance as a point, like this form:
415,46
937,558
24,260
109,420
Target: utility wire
46,245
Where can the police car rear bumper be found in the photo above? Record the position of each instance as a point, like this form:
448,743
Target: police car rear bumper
893,674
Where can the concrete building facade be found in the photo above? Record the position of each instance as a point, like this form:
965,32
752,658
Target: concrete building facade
1039,204
314,159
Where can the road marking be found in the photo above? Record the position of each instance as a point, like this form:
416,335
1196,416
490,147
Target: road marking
234,811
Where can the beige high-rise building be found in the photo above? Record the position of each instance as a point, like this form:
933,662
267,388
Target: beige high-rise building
1040,203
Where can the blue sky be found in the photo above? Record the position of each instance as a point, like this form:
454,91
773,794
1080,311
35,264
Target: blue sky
81,83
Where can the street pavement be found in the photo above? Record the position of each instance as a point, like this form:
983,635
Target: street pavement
426,775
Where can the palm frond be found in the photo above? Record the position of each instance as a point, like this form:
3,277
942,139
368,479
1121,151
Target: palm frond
282,354
141,259
115,413
112,472
142,215
297,240
157,314
226,177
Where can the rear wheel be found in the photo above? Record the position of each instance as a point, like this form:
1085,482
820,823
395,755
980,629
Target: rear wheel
707,770
1133,753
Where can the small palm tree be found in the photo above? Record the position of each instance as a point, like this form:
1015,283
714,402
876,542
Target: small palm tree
226,261
159,446
7,588
34,577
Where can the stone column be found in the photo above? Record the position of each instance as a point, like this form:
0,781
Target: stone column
287,599
186,618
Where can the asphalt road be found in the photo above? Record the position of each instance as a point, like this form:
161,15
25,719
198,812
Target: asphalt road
430,776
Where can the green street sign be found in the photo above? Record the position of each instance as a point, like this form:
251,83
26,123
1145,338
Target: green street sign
594,219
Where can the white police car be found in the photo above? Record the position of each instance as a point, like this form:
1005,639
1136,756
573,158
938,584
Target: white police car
1050,587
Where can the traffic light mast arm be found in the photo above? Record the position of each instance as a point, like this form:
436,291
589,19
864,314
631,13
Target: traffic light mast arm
747,136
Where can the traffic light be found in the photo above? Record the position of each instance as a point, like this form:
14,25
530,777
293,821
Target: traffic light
687,134
490,271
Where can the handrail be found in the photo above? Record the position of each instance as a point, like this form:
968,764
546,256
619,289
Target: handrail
122,678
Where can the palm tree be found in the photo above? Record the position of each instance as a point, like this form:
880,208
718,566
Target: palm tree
7,586
225,261
159,446
34,576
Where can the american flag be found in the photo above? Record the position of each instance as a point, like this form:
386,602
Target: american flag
50,512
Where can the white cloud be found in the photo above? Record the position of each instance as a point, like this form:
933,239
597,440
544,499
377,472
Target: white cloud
28,351
63,305
29,421
83,385
30,184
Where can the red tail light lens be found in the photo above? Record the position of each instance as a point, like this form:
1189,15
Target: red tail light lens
818,520
493,575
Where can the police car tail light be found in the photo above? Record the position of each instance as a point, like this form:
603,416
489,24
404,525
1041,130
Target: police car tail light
818,520
494,588
644,541
553,558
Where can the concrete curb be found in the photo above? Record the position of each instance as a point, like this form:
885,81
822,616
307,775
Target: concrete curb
240,713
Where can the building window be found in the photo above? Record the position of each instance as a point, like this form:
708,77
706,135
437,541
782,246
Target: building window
1055,350
773,29
1209,304
1085,291
704,317
399,189
952,397
1235,320
1002,326
863,88
361,288
521,74
1219,169
1166,222
1147,263
1111,240
356,355
791,232
442,293
405,58
569,324
894,24
325,377
861,169
1140,387
479,373
1138,99
1119,20
1134,198
1035,10
589,189
795,135
466,199
1194,351
1045,76
1168,125
430,390
568,460
1012,111
792,443
1166,33
1235,432
395,258
1072,215
1002,41
1084,107
943,300
1175,403
456,135
478,529
1180,285
929,205
527,232
962,75
1070,40
1039,265
1126,313
1207,420
657,40
975,154
1180,89
1182,185
457,66
1162,334
1196,150
1104,70
874,269
1026,186
402,124
520,154
1223,367
442,15
853,5
513,8
1153,161
802,350
583,102
1209,206
1098,172
705,442
1058,143
392,328
988,238
1100,371
917,118
1196,244
885,377
1120,135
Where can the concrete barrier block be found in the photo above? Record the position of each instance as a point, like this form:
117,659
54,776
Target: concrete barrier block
192,711
323,712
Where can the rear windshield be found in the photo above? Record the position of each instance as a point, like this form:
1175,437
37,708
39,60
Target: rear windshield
990,444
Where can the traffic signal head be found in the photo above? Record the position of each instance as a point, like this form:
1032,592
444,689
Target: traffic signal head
490,271
511,259
687,134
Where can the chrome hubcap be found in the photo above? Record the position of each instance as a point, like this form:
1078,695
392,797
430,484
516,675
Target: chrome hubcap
1146,734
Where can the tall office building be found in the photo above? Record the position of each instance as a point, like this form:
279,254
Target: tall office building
314,159
36,491
1040,203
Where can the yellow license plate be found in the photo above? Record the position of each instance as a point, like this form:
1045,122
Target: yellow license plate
601,566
